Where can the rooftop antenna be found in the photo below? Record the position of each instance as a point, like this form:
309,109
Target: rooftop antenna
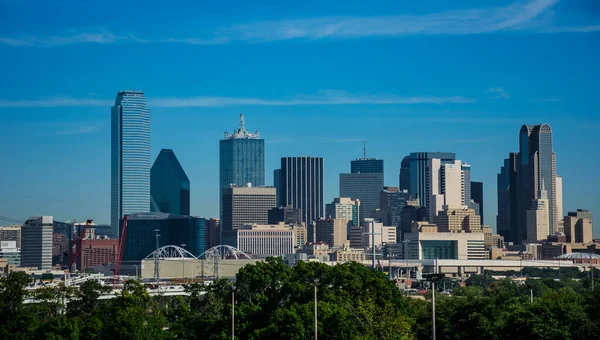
242,128
364,149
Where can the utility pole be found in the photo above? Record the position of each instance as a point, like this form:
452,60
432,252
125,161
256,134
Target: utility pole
373,233
316,328
156,262
233,313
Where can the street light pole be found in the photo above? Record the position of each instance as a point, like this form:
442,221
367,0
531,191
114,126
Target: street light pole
433,307
316,329
233,313
183,264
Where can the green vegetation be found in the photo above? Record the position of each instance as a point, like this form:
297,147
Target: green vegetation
274,301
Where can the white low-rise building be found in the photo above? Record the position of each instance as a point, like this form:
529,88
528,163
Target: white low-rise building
266,240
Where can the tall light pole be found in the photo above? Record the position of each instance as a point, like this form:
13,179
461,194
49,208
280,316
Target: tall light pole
233,313
183,264
316,329
433,278
156,263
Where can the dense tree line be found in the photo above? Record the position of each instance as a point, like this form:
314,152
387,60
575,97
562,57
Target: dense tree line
274,301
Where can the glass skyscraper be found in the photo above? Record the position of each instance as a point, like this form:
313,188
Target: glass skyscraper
130,157
364,183
241,160
169,185
301,186
417,172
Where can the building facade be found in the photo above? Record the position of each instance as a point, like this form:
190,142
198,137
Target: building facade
212,233
447,246
418,165
10,252
446,186
477,198
287,215
36,242
97,252
578,227
506,220
538,219
244,205
333,231
344,208
411,213
142,229
266,240
392,201
169,185
130,157
365,187
11,233
458,220
383,234
241,159
301,186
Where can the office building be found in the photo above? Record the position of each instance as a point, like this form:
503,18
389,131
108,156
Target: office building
366,166
10,252
333,231
559,203
11,233
62,242
364,182
488,236
97,252
344,208
266,240
404,180
447,246
212,233
347,254
301,186
538,222
36,242
418,173
536,163
391,202
241,160
506,221
411,213
446,186
130,157
176,230
287,215
169,185
477,198
578,226
355,237
458,221
277,184
383,234
244,205
301,235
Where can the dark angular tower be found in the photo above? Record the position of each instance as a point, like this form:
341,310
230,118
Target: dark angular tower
169,185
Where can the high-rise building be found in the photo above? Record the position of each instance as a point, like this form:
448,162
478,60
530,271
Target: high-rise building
405,174
559,203
172,229
11,233
10,252
287,215
97,252
578,226
364,183
477,197
333,231
241,160
418,163
266,240
458,220
411,213
244,205
277,183
538,222
536,163
130,157
506,221
344,208
169,185
36,242
392,201
301,186
446,186
383,234
213,233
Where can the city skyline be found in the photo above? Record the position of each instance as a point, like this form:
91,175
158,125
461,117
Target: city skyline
55,135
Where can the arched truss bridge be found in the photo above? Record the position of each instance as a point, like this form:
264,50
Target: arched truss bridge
170,253
223,252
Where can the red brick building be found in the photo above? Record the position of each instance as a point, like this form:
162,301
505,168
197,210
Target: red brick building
97,252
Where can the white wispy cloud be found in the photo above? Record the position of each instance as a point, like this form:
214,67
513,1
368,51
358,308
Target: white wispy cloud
531,16
325,97
498,93
78,130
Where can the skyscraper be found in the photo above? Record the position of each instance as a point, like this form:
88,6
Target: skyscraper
130,156
538,223
418,172
344,208
506,221
559,204
536,162
391,202
364,183
446,186
477,197
405,173
169,185
301,186
241,159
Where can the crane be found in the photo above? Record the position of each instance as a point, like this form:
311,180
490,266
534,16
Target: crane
119,257
79,244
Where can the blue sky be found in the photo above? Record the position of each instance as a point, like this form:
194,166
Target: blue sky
315,78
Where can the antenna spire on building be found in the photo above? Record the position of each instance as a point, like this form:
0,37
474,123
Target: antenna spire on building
242,123
364,149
